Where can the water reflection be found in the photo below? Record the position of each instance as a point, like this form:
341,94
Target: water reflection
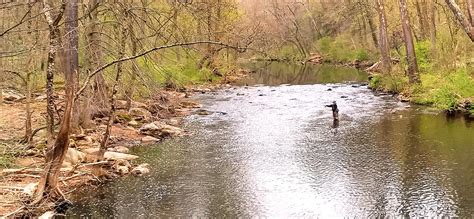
275,73
277,153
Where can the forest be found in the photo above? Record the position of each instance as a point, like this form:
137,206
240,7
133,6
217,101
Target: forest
81,78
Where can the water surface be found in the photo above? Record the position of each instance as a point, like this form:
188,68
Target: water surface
274,151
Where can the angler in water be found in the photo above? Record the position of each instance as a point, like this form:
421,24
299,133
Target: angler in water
335,110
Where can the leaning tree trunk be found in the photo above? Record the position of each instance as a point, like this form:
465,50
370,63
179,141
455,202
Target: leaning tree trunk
409,45
48,186
383,38
466,24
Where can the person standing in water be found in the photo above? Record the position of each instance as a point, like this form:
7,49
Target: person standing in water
335,110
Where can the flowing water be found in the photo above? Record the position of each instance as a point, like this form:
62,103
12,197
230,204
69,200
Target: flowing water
273,150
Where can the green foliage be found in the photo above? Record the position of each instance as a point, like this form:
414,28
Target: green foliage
395,82
361,55
374,82
423,55
178,75
444,91
341,49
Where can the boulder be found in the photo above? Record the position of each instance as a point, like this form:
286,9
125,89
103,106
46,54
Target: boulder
12,96
140,114
47,215
141,170
73,157
120,149
133,123
157,129
30,189
122,167
121,104
111,155
190,104
149,140
315,58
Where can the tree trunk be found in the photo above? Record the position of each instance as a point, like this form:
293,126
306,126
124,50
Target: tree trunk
106,136
470,10
370,20
55,154
432,16
383,38
409,45
467,26
421,19
133,77
54,44
28,129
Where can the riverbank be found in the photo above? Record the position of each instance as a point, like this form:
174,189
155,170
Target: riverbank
147,122
450,91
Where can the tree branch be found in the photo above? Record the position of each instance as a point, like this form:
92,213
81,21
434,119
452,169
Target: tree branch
100,69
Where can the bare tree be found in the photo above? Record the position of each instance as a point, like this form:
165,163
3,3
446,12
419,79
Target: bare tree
55,154
409,45
383,35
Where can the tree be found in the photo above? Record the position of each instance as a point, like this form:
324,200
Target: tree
54,43
383,44
409,45
467,25
55,154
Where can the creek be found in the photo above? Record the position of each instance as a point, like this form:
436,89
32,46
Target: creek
271,149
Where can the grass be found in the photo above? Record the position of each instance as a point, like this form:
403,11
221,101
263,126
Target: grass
9,151
445,91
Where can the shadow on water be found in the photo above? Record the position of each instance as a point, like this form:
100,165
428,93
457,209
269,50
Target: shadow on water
277,153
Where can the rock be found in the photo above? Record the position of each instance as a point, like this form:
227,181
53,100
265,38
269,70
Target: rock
41,97
12,96
122,167
136,104
329,89
240,94
190,104
149,127
141,170
149,140
315,58
30,189
140,114
121,104
173,122
203,112
157,129
111,155
120,149
74,157
261,95
344,97
169,130
133,123
47,215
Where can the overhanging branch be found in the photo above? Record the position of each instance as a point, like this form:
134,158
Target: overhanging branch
100,69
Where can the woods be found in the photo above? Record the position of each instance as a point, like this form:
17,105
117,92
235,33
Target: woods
69,64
